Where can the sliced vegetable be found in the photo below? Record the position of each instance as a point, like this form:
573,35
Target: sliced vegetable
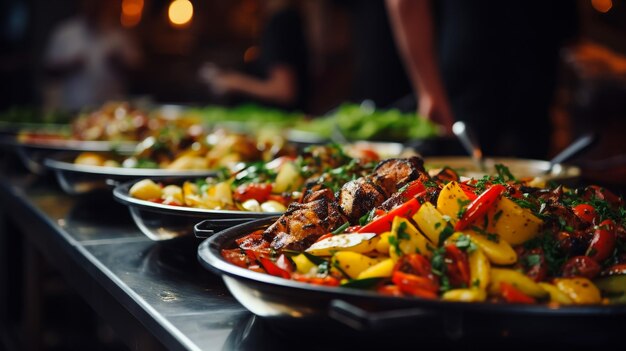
414,285
580,290
556,295
352,263
272,269
253,191
585,212
288,178
145,189
602,244
432,223
404,239
465,295
452,200
498,251
581,266
479,207
513,295
303,264
457,266
354,242
383,223
517,280
382,269
480,269
512,222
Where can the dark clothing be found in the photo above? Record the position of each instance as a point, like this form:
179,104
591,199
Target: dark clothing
283,42
378,73
499,65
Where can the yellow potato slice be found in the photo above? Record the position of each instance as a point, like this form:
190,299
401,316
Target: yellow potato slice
145,189
408,238
518,280
556,295
450,200
382,269
303,264
353,263
497,250
580,290
430,222
465,295
513,223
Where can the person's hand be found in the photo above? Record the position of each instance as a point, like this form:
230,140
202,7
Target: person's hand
219,81
436,109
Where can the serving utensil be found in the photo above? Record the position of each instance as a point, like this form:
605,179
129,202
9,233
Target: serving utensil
468,139
575,148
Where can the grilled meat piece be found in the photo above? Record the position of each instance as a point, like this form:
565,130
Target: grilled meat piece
358,197
318,192
392,174
302,224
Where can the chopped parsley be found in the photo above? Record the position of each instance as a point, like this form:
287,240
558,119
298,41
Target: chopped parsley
531,260
504,174
446,233
465,243
393,242
402,234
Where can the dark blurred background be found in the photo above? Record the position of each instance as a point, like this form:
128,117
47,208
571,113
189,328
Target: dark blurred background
350,56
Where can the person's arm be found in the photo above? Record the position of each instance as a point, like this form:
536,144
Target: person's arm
280,86
412,24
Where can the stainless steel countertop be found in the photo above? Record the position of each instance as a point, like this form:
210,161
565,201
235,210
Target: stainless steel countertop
92,240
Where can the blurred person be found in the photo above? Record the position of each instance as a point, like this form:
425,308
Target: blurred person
88,57
493,65
279,76
378,74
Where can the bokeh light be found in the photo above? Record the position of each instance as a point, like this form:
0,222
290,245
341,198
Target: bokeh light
180,12
603,6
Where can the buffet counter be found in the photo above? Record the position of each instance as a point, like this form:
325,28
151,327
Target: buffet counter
154,295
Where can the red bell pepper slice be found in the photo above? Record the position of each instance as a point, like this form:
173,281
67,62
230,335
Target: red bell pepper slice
325,281
414,285
415,264
479,207
383,223
469,191
457,266
513,295
413,188
272,269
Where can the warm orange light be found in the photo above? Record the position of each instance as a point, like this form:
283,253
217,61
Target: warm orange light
180,12
602,5
251,54
131,12
132,7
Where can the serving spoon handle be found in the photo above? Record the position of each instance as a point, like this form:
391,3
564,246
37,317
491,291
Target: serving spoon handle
470,143
579,145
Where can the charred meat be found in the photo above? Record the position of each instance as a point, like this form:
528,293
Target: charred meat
358,197
302,224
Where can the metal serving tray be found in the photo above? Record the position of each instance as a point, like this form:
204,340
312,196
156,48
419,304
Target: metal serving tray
163,222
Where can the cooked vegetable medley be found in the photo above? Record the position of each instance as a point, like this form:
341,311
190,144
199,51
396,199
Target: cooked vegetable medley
263,186
401,232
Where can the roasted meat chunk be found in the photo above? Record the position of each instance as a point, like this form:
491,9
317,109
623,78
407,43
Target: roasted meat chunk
317,192
358,197
302,224
390,175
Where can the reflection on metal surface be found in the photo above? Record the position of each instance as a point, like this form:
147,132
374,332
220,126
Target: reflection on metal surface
168,296
262,305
